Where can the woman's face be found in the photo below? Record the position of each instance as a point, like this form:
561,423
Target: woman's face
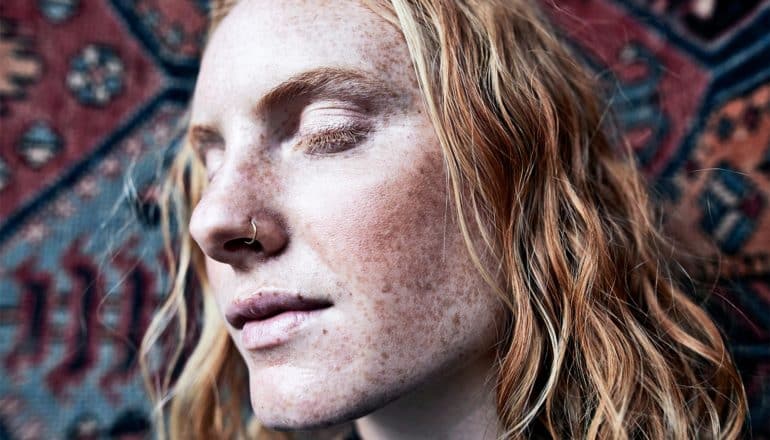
312,125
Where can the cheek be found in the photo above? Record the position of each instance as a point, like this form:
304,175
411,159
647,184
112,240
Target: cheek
414,296
400,231
382,235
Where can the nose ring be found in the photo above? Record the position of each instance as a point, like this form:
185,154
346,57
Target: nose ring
254,227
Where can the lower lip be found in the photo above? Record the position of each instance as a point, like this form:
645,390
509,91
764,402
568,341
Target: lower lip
272,332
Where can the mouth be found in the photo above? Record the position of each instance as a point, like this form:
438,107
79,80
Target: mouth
267,305
268,319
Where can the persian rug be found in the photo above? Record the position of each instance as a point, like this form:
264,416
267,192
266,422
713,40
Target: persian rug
91,96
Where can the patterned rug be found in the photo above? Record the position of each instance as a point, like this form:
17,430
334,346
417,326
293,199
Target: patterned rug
90,96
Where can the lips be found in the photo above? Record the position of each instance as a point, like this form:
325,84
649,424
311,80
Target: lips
264,305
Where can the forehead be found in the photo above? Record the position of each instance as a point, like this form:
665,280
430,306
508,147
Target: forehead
260,43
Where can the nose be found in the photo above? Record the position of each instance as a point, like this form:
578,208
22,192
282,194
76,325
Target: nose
229,230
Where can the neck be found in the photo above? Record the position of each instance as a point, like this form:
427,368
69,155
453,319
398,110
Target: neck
459,406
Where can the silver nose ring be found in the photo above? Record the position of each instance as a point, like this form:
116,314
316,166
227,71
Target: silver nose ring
253,227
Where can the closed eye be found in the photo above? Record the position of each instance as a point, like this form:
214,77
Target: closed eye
202,139
333,140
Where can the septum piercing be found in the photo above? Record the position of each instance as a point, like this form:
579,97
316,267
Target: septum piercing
254,227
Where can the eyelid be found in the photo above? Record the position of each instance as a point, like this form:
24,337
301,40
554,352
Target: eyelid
332,108
332,139
203,139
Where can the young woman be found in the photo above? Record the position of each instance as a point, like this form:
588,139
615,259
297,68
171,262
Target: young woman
407,214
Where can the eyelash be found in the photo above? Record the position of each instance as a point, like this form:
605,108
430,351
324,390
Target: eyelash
332,140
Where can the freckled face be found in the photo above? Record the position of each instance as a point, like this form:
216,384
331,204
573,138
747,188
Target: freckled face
345,178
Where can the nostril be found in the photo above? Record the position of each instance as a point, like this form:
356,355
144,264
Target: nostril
234,245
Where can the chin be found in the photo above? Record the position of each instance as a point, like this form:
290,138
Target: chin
302,416
306,406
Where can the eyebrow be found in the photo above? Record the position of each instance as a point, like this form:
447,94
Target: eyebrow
329,82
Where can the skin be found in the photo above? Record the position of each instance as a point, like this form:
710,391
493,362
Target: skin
406,347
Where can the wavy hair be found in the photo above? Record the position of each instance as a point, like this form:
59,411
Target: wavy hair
601,339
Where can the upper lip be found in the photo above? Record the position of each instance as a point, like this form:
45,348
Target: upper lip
265,304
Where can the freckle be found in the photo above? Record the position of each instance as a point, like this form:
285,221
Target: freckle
325,331
384,355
